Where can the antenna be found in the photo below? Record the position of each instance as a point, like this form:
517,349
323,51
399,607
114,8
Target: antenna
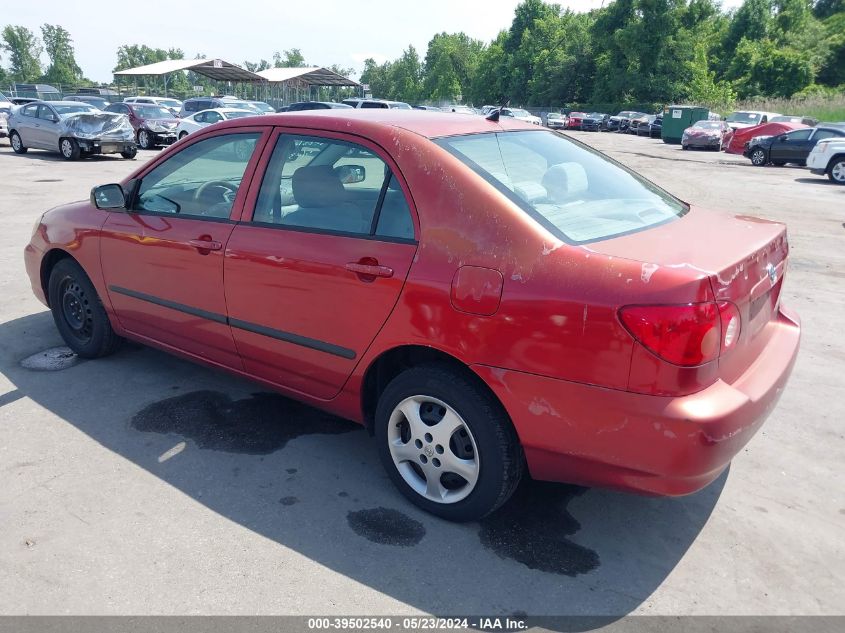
494,115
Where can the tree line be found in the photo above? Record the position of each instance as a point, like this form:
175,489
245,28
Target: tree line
630,52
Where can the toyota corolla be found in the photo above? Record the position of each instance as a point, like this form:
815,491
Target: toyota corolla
487,297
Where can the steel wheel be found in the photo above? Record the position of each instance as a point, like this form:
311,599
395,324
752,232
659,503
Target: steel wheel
758,158
837,172
76,310
433,449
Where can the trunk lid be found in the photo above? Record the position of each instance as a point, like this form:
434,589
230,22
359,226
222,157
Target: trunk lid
744,258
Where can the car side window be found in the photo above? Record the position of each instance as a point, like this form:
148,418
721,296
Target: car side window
332,185
200,181
200,117
213,117
820,134
30,110
44,112
799,135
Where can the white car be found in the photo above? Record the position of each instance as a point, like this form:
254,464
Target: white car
522,115
207,117
174,105
828,157
749,118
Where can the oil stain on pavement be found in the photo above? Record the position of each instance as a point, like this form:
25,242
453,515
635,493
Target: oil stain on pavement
532,529
386,527
258,425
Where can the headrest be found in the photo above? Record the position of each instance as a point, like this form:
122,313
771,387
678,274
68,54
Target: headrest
317,187
564,181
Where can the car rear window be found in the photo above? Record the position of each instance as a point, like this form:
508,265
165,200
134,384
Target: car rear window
576,193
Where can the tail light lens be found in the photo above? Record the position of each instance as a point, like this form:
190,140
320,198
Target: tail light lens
686,335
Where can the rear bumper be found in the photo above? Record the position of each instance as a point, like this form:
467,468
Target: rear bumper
660,445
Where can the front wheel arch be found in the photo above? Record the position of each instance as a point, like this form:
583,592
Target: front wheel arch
48,262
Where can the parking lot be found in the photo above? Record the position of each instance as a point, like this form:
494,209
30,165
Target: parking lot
142,483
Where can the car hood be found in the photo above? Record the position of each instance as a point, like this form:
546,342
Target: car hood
164,122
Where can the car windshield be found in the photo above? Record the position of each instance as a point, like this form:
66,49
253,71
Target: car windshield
516,112
577,114
576,193
239,114
264,107
152,112
243,105
77,107
552,115
708,125
744,117
627,114
169,103
596,115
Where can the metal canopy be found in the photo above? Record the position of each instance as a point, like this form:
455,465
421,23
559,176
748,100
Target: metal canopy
215,69
311,76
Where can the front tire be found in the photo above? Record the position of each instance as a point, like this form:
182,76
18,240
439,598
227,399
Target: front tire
759,158
130,154
145,140
78,312
836,171
447,444
17,143
183,135
69,149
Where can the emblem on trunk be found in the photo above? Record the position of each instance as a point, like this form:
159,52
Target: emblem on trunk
772,272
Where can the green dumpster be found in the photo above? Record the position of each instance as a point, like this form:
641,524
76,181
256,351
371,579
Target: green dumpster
677,118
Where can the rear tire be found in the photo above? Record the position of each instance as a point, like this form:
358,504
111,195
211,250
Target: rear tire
836,171
17,144
455,452
130,154
69,149
78,312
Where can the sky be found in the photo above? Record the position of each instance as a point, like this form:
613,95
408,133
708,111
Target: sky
327,32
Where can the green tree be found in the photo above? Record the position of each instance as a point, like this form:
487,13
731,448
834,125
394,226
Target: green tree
24,50
292,58
405,77
63,69
450,62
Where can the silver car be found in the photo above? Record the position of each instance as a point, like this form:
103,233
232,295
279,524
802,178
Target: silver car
73,129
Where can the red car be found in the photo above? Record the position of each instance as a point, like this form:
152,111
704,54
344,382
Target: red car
154,124
576,120
707,134
485,297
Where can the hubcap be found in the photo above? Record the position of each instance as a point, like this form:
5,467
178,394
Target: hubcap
758,157
838,171
76,310
433,449
144,140
16,142
67,150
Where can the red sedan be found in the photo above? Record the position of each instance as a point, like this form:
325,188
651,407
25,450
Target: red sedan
486,297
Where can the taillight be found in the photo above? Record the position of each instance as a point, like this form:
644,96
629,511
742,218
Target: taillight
687,335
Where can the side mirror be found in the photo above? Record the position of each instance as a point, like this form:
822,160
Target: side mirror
108,197
351,174
782,138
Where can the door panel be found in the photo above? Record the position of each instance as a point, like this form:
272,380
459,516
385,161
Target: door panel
300,318
317,266
163,261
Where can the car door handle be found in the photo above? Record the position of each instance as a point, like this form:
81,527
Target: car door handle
369,270
205,245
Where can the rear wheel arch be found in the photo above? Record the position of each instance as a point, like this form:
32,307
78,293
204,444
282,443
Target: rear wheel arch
393,362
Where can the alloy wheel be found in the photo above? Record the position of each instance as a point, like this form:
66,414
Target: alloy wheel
758,157
67,148
16,142
837,172
433,449
144,139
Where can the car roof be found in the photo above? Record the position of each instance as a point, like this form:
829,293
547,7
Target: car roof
224,110
375,122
